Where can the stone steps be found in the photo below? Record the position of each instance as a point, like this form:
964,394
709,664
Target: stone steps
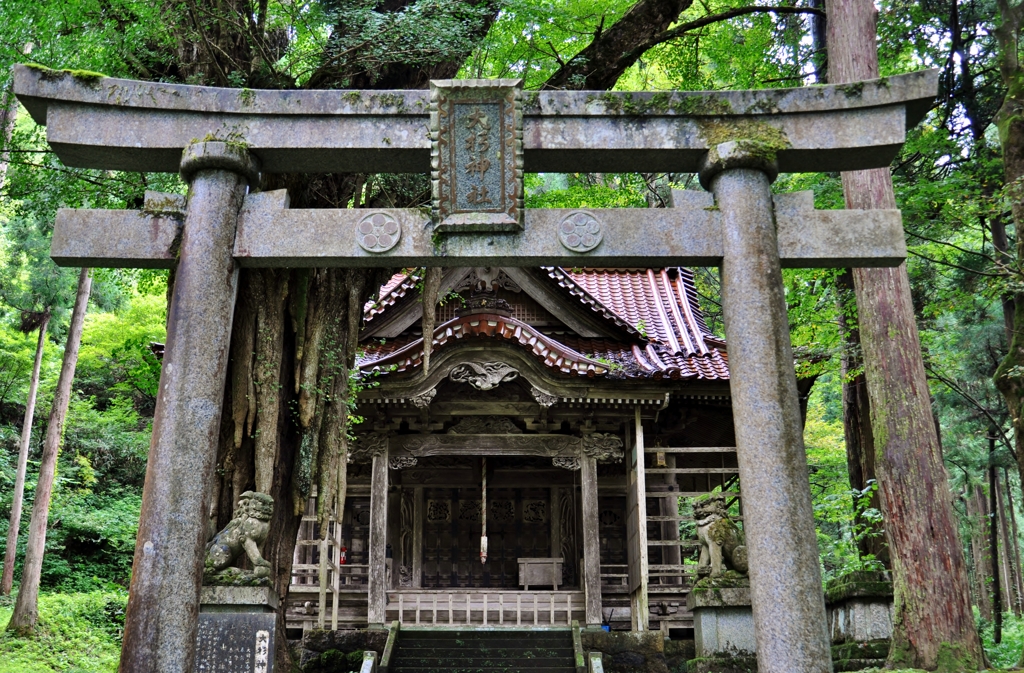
483,651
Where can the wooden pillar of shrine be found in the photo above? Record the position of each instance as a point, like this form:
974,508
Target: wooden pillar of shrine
377,582
591,540
419,508
636,531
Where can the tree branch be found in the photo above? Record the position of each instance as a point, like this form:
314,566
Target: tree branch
600,64
956,266
682,29
975,403
952,245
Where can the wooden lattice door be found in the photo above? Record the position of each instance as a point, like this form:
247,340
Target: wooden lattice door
518,525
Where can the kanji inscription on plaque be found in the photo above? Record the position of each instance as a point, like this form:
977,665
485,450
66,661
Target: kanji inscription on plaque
235,642
476,132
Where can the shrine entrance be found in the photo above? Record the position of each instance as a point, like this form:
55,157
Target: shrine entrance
518,526
438,576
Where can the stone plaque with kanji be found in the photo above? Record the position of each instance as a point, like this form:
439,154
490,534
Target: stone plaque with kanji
236,642
476,131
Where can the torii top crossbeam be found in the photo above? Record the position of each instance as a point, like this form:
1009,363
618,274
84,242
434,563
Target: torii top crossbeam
116,124
476,138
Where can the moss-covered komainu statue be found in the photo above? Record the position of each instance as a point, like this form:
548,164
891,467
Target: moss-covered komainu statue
722,546
244,534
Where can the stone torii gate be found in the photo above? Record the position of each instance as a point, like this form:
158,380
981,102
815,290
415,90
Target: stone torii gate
477,137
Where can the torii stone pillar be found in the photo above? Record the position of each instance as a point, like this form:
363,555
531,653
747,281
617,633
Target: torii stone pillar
785,578
163,600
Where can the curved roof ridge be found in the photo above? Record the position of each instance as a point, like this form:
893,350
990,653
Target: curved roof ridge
690,320
390,292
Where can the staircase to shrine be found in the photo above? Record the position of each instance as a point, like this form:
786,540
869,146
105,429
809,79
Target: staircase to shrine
504,650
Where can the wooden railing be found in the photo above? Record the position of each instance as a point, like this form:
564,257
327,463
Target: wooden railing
443,607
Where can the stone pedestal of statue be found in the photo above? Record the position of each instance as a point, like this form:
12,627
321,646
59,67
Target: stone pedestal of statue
860,610
237,630
723,626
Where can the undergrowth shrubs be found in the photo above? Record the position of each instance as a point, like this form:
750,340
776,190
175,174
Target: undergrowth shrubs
78,633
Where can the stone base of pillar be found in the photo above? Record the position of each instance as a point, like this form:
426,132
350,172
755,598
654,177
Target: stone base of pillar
237,629
723,628
860,607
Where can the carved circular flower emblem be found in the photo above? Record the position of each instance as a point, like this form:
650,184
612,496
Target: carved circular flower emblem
378,232
580,231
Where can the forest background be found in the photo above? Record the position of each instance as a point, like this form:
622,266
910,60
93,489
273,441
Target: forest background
948,180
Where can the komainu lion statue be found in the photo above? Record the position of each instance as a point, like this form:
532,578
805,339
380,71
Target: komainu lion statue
244,534
722,546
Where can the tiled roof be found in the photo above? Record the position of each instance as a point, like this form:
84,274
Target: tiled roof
661,304
390,293
658,307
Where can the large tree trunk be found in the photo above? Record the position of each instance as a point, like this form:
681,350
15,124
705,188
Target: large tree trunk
1009,120
1010,601
998,582
977,513
26,612
1014,545
933,626
8,115
19,481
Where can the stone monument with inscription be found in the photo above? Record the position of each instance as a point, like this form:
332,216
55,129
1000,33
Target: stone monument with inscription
237,629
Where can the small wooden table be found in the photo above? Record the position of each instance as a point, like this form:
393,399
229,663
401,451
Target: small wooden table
543,571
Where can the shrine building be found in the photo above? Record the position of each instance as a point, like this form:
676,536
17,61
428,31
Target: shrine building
527,364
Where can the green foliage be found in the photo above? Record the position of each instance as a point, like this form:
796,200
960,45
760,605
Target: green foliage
77,633
115,440
578,190
95,507
116,359
1008,651
90,541
836,505
530,38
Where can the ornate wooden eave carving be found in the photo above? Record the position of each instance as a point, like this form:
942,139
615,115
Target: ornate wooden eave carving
368,446
485,425
603,447
483,375
496,326
544,387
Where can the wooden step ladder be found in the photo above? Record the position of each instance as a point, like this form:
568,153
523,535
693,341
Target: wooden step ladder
648,581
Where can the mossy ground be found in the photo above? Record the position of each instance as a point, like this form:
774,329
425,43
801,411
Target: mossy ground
78,633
